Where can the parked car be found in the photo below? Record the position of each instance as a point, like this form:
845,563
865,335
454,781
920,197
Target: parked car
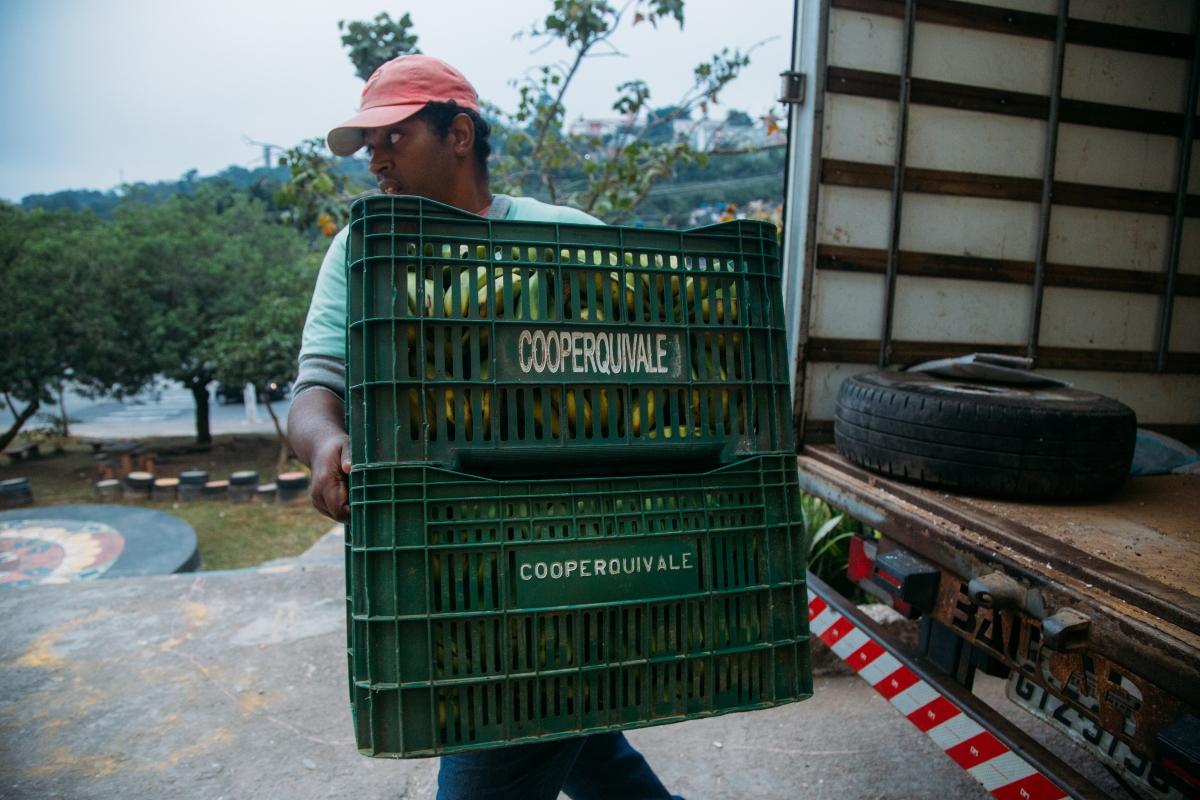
271,393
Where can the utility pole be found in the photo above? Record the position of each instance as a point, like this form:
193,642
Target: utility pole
266,150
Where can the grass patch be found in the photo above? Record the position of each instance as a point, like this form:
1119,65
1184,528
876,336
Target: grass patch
229,535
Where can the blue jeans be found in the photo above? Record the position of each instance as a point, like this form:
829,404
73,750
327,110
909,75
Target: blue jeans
602,766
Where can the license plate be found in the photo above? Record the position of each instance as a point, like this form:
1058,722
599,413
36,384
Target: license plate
1148,779
1099,688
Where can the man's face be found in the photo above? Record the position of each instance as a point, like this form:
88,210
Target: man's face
409,158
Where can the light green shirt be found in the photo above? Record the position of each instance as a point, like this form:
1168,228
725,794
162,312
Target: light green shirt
325,328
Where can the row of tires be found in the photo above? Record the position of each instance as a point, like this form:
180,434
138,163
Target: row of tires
18,492
193,484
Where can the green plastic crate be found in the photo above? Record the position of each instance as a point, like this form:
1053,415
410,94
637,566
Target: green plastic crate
496,346
485,612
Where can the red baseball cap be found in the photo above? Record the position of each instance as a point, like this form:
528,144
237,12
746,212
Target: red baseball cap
396,91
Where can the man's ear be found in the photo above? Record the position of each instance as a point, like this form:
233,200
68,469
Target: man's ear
462,135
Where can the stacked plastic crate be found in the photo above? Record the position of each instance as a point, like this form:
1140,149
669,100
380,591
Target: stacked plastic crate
574,504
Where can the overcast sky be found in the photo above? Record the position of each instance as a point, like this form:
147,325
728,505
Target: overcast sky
100,92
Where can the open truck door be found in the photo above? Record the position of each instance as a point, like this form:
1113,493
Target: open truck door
1017,178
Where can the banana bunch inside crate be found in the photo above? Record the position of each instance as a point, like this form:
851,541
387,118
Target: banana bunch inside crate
452,349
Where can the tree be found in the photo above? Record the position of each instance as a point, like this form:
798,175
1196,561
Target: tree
534,153
63,280
374,43
197,264
611,182
261,345
317,193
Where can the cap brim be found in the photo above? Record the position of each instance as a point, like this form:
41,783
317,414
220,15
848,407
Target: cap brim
347,138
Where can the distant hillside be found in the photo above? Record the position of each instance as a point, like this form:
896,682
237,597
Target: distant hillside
259,181
733,179
727,180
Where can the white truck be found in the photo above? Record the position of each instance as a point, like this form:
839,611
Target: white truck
1017,178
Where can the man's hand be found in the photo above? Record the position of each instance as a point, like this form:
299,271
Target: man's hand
330,468
316,434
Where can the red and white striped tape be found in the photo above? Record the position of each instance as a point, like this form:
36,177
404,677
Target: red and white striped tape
1002,772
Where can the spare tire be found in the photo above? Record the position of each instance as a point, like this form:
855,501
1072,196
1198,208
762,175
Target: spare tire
1024,442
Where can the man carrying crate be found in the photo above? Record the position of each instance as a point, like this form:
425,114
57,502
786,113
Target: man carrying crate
419,120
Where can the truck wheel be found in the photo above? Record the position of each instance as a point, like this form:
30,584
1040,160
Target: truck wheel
1030,443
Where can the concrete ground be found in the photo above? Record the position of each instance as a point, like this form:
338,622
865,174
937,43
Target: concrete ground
232,685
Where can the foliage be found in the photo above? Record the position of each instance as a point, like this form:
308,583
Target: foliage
261,345
62,279
371,44
317,192
162,289
101,203
607,178
197,264
827,537
49,430
260,182
733,179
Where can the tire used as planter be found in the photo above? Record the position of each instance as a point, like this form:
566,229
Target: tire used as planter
191,483
244,477
1022,442
16,492
292,486
108,489
164,489
265,493
242,485
138,485
215,490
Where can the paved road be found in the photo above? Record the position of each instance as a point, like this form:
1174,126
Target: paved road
166,411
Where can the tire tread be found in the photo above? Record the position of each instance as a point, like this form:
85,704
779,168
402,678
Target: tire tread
1031,450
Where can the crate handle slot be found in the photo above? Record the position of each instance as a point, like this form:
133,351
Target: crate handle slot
582,461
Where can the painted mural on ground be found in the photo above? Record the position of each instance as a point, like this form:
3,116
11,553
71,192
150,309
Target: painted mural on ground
56,551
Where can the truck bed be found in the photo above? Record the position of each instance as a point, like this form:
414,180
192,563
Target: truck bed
1131,564
1152,529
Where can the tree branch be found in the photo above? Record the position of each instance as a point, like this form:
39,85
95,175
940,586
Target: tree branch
18,423
557,107
585,46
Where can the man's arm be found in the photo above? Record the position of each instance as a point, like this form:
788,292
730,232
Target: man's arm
315,421
316,433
